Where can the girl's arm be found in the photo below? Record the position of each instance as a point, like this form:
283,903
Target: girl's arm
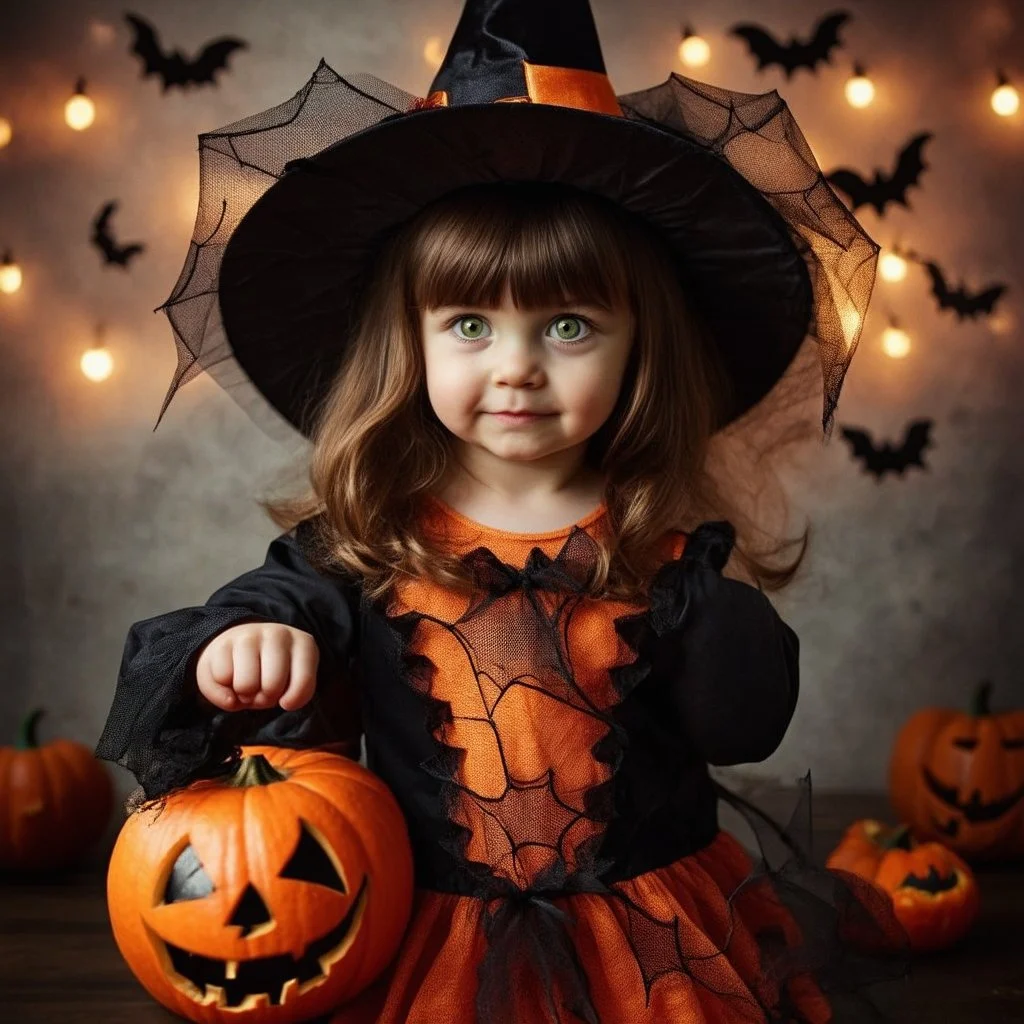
739,677
163,731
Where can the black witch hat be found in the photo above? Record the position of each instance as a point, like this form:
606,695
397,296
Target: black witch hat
294,202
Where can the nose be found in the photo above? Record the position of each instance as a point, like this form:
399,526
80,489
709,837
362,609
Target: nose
517,363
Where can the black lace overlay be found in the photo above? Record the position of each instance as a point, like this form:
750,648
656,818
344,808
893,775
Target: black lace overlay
657,802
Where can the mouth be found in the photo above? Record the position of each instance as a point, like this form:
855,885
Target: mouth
267,980
972,810
520,417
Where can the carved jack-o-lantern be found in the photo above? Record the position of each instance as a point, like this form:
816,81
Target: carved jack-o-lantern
934,893
959,778
274,895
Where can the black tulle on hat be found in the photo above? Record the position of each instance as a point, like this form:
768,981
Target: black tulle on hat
294,201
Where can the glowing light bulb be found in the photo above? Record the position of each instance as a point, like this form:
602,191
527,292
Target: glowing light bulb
97,363
1005,99
434,51
895,342
694,50
102,32
79,111
892,267
10,275
1001,322
6,131
860,90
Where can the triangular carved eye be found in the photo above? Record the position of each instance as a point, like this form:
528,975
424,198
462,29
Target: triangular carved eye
309,862
188,879
965,742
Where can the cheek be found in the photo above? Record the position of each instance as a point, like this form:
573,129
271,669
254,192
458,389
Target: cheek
450,389
591,391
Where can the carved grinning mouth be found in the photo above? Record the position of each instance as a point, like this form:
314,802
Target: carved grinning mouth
933,882
266,980
973,810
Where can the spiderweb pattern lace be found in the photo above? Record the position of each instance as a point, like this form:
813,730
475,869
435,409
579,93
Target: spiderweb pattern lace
527,839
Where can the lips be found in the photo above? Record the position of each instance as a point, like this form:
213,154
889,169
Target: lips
521,417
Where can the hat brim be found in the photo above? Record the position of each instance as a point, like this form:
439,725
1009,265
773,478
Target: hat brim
288,281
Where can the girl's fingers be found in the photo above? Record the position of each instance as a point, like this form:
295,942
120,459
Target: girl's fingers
304,660
220,663
245,656
275,667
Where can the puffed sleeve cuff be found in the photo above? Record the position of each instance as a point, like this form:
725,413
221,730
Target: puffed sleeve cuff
737,678
161,730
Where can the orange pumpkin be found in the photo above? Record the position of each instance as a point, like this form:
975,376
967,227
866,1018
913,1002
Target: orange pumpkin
274,894
934,893
56,801
959,778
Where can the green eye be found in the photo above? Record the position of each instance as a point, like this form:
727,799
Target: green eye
570,324
474,333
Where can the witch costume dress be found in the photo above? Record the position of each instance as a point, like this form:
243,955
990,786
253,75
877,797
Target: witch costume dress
550,751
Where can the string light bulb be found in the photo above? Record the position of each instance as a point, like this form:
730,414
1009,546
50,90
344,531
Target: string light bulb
79,111
10,274
433,51
6,131
1002,322
860,90
97,363
895,341
694,50
1005,99
892,266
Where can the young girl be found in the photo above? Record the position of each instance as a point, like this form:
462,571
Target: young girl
507,575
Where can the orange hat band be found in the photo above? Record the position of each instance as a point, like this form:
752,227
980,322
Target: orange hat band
563,87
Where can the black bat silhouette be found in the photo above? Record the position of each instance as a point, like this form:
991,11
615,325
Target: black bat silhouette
888,458
882,189
173,67
103,240
964,303
796,54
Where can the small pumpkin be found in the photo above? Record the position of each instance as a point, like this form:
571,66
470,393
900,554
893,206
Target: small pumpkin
958,778
56,798
273,894
934,892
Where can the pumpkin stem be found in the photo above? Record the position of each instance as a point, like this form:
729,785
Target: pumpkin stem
255,770
27,733
897,838
980,702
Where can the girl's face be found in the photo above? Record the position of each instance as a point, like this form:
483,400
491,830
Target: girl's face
566,363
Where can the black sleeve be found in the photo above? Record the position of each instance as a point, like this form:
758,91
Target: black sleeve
166,735
738,674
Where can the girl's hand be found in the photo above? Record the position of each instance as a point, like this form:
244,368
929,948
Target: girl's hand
257,665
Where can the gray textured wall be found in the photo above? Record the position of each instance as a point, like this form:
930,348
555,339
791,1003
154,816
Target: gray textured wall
910,593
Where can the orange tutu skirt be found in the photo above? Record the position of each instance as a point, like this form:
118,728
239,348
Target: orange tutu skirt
433,978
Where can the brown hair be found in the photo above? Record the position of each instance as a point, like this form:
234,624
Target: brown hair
378,445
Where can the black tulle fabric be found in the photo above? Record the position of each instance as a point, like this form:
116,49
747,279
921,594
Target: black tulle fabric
664,723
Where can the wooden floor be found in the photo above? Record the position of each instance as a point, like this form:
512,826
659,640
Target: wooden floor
59,963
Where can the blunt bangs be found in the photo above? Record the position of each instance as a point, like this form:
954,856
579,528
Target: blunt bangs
549,245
